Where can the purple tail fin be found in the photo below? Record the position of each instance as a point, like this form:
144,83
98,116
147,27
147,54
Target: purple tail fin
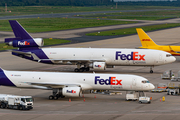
22,38
19,31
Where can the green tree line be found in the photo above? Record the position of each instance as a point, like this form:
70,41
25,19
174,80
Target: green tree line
55,2
84,3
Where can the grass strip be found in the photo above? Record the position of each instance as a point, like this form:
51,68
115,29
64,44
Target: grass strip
142,15
129,31
47,41
25,10
51,41
54,24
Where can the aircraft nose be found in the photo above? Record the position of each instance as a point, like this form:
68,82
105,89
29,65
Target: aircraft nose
151,86
173,59
170,59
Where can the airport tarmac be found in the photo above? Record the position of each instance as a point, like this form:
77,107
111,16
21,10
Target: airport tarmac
103,107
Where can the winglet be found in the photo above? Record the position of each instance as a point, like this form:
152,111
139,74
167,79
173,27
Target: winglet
146,41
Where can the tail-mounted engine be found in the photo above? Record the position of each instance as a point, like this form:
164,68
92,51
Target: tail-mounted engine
35,42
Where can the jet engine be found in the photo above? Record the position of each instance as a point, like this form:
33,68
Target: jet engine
72,91
99,65
36,42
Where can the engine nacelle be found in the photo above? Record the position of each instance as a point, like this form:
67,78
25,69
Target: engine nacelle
99,66
36,42
72,91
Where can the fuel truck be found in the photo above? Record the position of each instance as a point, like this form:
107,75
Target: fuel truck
16,102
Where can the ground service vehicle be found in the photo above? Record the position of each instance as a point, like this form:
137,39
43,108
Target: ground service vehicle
16,102
144,100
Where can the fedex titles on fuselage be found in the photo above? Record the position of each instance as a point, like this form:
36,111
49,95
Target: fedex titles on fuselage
132,56
110,81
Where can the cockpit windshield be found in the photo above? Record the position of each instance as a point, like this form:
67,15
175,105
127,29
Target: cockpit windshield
27,100
145,81
168,55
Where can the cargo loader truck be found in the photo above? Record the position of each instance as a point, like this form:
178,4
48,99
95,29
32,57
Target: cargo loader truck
16,102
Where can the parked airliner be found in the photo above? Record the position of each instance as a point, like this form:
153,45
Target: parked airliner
84,58
72,84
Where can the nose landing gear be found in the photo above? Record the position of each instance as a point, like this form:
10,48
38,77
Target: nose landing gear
151,71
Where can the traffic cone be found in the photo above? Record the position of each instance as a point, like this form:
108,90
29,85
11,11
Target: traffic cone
69,99
95,96
84,99
160,99
83,95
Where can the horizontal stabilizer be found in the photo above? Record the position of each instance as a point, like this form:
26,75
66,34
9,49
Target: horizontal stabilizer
22,53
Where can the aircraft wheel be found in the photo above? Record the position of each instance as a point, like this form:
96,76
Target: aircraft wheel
76,70
62,96
56,97
81,70
151,71
51,97
20,108
87,69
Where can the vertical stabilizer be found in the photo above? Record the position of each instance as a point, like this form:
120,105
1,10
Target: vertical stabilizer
19,31
22,38
146,41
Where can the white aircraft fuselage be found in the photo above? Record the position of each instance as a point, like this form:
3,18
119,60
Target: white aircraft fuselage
71,84
96,58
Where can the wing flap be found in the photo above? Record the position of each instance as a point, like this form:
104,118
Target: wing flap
53,85
74,60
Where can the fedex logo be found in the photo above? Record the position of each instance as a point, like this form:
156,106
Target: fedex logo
97,65
132,56
110,81
71,91
23,43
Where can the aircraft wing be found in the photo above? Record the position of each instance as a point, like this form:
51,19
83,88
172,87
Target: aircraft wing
52,85
29,54
73,60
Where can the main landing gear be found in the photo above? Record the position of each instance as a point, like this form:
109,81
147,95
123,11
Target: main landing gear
57,93
82,69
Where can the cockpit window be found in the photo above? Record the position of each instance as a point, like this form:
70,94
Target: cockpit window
145,81
168,55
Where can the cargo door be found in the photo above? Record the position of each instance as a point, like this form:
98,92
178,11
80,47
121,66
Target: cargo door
134,82
160,58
